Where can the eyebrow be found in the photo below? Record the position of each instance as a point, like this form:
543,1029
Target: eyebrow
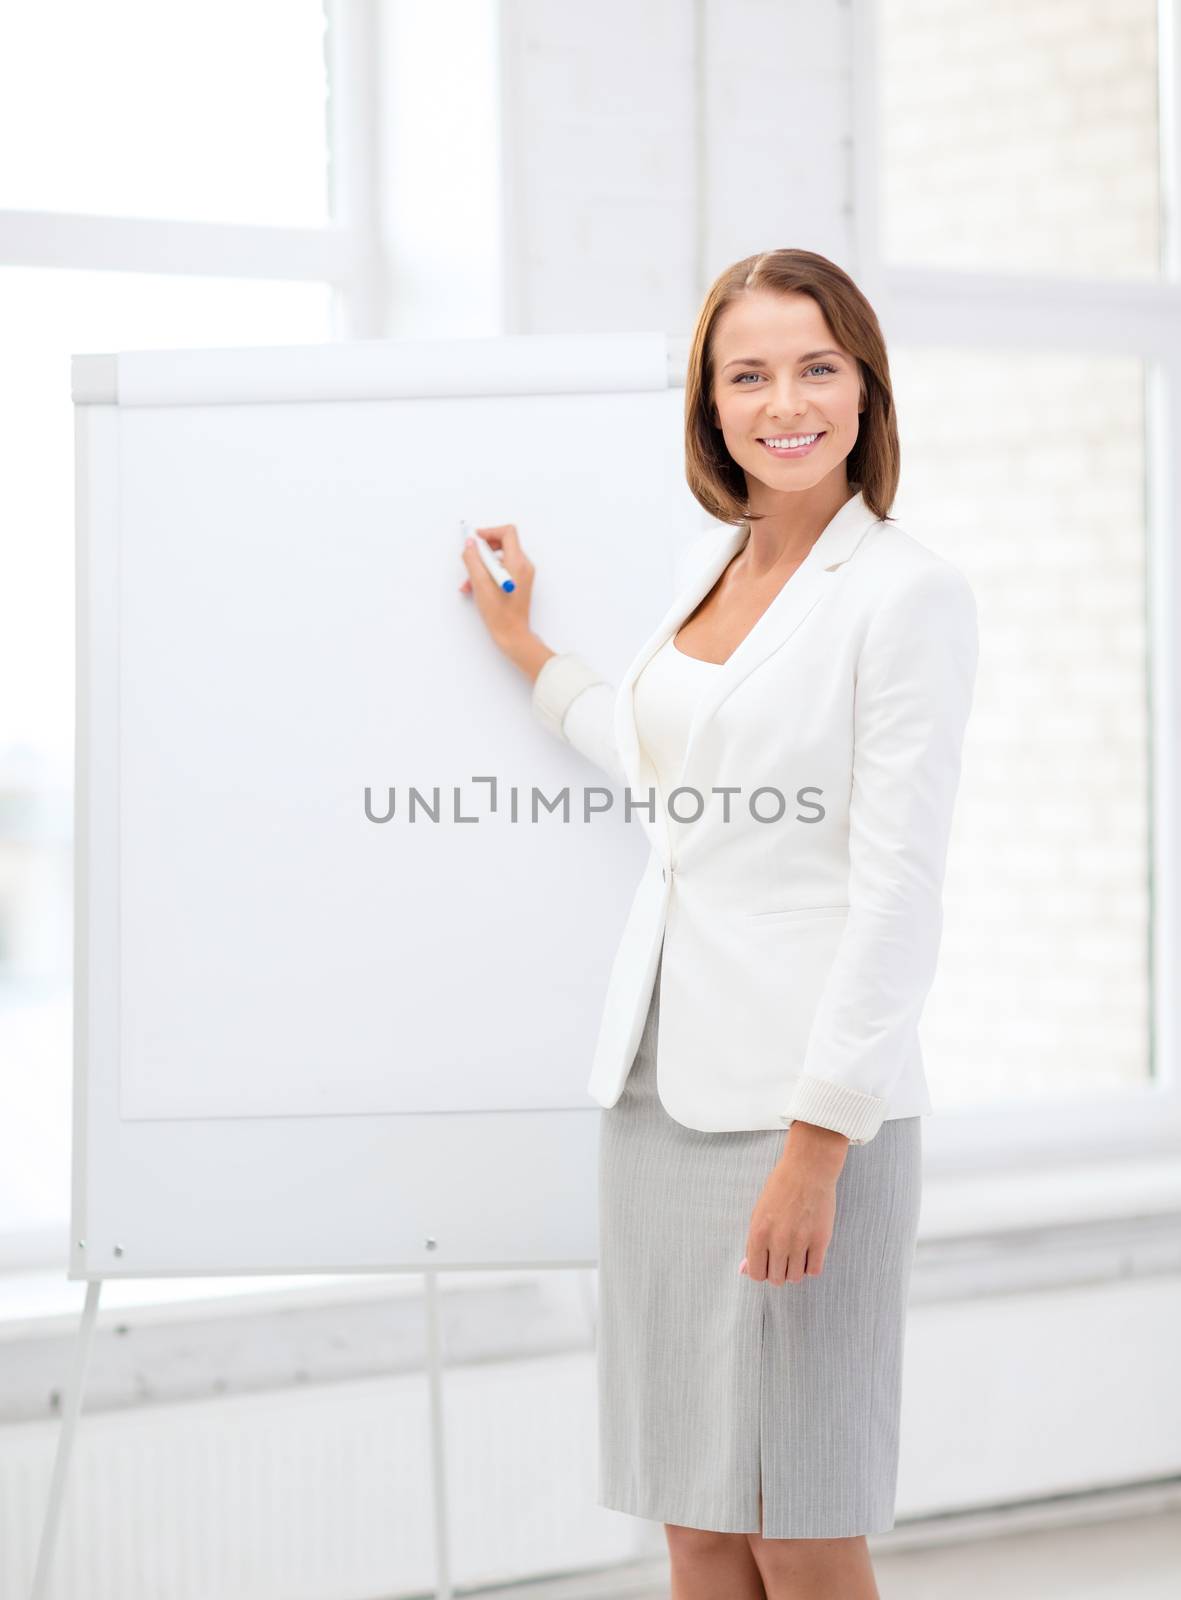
757,361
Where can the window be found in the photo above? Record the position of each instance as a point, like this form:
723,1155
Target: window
214,112
76,107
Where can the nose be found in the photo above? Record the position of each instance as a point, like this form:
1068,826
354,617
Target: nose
782,400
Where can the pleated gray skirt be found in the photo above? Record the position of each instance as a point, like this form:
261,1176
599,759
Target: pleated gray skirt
727,1403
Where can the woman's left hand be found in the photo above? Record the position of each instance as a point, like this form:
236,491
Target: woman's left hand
792,1222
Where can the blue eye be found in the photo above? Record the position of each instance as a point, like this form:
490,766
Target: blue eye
820,366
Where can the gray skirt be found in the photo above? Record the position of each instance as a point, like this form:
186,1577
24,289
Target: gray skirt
726,1403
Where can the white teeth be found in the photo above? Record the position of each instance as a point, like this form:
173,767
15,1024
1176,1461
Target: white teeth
791,441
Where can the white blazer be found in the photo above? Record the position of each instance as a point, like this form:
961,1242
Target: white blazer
800,935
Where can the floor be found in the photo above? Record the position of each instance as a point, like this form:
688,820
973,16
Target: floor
1135,1557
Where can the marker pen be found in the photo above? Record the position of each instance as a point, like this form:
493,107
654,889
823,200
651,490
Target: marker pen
489,557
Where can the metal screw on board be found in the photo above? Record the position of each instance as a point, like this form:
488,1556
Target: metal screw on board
432,1244
82,1244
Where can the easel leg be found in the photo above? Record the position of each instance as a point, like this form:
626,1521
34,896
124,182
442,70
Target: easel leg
61,1462
73,1406
434,1356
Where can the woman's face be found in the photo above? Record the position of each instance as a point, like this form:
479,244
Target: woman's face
778,371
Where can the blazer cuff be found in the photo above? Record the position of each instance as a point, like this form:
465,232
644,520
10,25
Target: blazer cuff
560,681
835,1106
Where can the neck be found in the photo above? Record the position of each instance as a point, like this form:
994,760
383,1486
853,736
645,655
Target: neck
790,524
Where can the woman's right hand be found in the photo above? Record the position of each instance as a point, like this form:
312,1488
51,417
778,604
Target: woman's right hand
506,616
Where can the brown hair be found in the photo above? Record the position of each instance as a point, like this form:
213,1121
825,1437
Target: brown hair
714,477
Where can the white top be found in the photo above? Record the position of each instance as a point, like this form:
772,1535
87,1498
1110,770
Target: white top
666,693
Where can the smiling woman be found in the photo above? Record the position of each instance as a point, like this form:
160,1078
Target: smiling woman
772,978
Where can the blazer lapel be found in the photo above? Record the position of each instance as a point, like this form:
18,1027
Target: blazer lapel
811,582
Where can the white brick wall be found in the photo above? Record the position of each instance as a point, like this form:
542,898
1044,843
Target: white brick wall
657,143
1021,135
1026,468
